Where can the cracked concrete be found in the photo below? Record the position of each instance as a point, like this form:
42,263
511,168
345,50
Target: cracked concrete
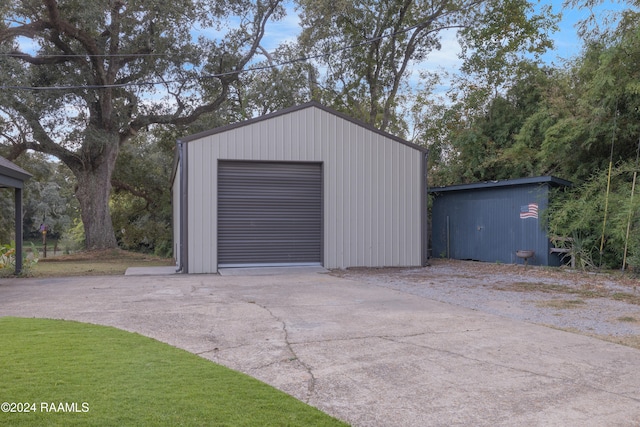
366,354
312,379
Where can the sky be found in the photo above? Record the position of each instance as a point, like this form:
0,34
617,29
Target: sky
567,42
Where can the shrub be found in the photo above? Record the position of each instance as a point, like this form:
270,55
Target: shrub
579,213
8,260
73,239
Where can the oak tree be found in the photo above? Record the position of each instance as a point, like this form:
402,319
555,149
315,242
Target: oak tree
369,48
81,78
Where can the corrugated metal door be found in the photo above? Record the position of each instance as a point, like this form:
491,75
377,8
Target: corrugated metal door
269,213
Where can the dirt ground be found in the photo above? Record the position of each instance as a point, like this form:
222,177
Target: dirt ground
603,305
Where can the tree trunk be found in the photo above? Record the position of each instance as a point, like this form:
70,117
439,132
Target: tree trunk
93,193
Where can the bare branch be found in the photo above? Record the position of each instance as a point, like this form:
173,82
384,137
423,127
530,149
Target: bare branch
31,31
42,142
123,186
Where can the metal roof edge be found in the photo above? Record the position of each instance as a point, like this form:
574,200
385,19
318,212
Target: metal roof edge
296,108
10,169
548,179
176,160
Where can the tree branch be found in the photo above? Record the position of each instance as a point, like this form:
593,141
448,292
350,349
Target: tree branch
29,31
260,22
174,119
123,186
89,44
44,142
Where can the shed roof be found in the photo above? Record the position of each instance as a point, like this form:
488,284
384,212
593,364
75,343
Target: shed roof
551,180
12,175
298,108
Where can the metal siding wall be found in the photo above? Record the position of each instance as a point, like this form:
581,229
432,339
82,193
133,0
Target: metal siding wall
485,225
175,206
532,235
369,220
366,204
376,205
192,204
202,196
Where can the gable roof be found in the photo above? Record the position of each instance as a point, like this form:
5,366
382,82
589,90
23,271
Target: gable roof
551,180
312,104
12,175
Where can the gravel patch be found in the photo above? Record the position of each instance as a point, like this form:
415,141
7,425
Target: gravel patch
605,305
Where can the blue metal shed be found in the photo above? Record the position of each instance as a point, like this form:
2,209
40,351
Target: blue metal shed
491,221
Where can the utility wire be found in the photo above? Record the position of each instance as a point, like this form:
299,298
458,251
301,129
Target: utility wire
205,76
155,83
18,54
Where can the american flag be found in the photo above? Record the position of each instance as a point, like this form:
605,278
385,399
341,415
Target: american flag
529,211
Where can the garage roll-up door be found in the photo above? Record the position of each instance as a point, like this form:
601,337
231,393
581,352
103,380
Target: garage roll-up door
269,213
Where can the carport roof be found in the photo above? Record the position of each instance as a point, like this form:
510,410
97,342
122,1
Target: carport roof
12,175
551,180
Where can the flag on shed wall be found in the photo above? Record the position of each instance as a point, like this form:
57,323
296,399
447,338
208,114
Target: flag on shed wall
529,211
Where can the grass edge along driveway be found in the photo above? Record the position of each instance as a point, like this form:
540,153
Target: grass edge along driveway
57,372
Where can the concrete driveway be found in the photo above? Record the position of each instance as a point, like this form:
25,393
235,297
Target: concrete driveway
365,354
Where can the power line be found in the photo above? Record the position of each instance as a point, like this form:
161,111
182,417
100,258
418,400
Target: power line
18,54
202,77
155,83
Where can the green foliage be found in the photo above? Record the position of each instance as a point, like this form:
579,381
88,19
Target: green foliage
8,260
8,256
499,140
141,202
49,195
579,213
72,239
125,67
273,89
369,48
566,122
7,215
496,36
542,121
633,257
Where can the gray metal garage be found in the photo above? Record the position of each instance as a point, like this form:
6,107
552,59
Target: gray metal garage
302,186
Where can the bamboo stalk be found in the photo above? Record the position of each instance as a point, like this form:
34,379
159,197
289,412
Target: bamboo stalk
606,200
633,189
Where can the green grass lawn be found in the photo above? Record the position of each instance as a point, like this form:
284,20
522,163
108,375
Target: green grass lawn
94,263
102,376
